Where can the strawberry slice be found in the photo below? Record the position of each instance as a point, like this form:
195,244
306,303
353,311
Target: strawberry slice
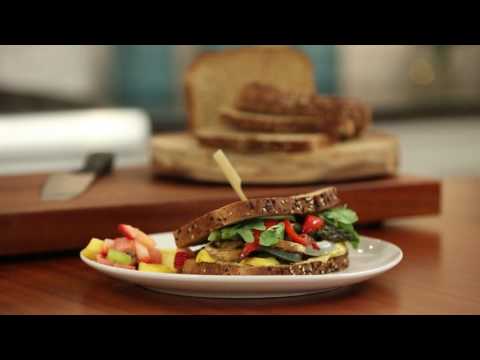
147,254
102,260
181,256
107,245
128,231
133,233
155,255
142,252
124,245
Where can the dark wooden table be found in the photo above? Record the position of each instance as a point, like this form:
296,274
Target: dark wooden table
439,275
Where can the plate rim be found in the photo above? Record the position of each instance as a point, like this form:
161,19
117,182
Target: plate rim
246,278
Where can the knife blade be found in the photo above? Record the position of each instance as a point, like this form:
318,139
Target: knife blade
66,186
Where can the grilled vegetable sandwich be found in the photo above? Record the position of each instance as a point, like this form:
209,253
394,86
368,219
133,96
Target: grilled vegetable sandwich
297,235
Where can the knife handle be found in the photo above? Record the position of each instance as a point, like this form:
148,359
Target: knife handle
99,163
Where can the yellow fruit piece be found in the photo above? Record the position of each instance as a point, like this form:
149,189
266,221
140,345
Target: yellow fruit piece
168,257
93,248
154,268
204,256
255,261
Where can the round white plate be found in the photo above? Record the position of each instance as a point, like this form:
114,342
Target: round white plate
372,258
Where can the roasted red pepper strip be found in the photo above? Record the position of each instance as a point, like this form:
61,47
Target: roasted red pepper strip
312,224
251,247
310,241
293,235
304,239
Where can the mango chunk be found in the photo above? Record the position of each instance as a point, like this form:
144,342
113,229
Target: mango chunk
155,268
93,248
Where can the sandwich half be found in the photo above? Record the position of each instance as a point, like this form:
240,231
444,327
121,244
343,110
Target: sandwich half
297,235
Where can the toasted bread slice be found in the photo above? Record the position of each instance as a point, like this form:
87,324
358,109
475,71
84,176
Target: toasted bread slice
302,268
215,79
197,231
243,141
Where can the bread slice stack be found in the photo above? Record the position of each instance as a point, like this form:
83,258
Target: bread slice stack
244,99
260,105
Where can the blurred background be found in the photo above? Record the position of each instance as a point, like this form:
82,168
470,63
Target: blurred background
58,102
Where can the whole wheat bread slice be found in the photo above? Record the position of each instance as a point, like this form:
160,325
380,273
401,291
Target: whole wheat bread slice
263,98
270,123
197,231
243,141
338,117
303,268
215,78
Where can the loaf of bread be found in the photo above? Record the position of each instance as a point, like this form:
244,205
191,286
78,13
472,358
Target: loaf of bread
215,79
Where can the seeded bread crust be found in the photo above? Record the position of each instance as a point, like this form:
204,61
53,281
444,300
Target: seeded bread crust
262,107
197,231
244,141
262,98
304,268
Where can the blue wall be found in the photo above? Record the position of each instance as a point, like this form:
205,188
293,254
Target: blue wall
144,75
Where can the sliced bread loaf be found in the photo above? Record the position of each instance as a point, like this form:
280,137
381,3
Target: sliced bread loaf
261,107
215,79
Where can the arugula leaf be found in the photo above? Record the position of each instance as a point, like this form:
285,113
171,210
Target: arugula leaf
273,235
343,219
229,232
342,215
354,238
214,235
246,234
242,229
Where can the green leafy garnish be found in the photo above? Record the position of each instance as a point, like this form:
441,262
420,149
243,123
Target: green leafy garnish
247,235
244,230
353,238
342,215
341,218
214,235
272,235
229,232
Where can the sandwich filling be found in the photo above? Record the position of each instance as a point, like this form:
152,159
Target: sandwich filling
283,240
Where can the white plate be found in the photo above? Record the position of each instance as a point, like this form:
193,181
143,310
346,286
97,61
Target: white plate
372,258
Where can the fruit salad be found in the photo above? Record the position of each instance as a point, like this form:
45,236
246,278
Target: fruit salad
135,250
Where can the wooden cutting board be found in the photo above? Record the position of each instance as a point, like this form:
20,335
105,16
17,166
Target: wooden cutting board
374,154
135,196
